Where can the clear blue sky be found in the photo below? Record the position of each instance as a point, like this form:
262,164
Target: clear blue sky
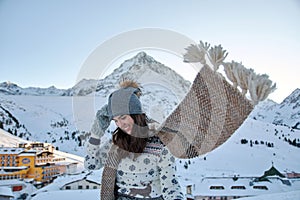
45,43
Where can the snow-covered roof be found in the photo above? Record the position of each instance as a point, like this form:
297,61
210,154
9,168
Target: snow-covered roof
68,194
11,182
10,170
6,191
241,186
27,154
65,163
80,180
9,167
10,150
95,176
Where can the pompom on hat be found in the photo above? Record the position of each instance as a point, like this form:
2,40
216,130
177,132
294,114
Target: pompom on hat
125,101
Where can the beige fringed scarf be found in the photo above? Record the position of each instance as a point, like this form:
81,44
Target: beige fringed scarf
208,115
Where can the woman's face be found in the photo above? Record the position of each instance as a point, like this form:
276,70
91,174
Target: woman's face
124,122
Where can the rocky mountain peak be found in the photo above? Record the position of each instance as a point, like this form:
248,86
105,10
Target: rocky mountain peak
8,84
286,113
142,57
9,88
293,99
143,69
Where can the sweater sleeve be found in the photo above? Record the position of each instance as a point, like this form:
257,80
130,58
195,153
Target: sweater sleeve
169,182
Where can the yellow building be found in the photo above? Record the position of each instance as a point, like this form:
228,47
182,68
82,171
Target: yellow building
30,161
9,164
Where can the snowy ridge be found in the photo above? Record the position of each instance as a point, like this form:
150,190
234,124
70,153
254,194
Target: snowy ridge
138,68
286,113
9,88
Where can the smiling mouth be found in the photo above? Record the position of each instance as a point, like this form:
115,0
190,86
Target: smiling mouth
127,129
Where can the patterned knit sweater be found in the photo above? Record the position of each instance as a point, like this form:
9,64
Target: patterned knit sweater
149,175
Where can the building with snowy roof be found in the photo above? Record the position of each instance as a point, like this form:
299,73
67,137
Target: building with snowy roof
221,188
32,161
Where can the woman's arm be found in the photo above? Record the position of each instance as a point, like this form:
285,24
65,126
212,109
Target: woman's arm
96,152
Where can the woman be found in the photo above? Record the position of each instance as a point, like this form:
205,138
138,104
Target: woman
208,115
144,168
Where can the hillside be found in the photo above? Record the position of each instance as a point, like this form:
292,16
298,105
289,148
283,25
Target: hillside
254,147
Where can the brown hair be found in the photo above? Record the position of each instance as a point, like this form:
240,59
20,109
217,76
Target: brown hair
135,142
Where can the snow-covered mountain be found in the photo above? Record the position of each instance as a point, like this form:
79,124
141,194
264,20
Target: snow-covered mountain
9,88
142,68
286,113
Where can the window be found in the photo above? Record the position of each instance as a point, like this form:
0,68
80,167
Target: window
80,187
87,187
216,187
68,187
94,187
260,187
189,189
238,187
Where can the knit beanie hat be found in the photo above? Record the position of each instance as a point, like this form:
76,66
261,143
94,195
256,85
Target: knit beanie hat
125,101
